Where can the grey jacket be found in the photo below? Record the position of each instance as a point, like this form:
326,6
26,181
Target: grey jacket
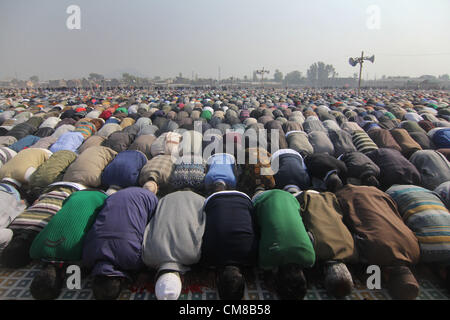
173,238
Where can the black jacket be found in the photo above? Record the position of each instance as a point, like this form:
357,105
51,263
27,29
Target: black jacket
229,237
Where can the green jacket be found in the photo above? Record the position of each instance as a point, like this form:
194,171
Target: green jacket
283,236
51,170
62,238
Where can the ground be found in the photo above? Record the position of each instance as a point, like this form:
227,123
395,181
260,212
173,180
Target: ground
14,285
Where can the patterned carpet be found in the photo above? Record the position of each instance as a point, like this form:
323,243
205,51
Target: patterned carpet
14,285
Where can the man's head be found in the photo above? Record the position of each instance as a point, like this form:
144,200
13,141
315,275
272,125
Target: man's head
16,253
338,280
292,189
291,282
230,283
151,186
447,278
218,186
333,183
258,191
5,238
371,181
168,286
47,284
111,190
107,288
402,284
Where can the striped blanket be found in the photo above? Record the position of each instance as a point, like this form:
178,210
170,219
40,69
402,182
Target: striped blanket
426,215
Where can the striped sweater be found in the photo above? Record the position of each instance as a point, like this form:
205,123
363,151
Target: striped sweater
37,216
363,142
86,128
426,215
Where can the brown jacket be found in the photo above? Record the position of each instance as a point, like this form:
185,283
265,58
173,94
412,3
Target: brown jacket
322,217
383,139
381,236
89,165
405,141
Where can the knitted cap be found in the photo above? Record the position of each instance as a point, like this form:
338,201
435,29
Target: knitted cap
168,286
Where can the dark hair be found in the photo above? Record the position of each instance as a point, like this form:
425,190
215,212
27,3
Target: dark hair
230,283
218,186
340,289
17,253
291,282
402,284
32,195
47,284
333,183
447,279
338,285
107,288
371,181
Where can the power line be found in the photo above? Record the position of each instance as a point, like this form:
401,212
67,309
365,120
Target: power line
409,54
414,54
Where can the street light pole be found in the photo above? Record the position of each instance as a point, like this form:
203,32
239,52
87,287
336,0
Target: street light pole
261,72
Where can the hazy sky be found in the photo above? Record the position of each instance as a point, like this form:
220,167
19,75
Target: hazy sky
164,37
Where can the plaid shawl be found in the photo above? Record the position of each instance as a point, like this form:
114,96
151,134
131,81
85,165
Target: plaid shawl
158,169
256,172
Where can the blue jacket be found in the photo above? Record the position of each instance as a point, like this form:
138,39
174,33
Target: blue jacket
124,170
68,141
24,143
112,120
221,167
114,243
441,138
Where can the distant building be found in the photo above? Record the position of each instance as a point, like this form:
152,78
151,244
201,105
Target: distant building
57,84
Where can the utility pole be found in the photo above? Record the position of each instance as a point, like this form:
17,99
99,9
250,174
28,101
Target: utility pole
354,61
262,72
360,72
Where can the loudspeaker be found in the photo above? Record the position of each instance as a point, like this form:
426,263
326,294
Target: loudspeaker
352,62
